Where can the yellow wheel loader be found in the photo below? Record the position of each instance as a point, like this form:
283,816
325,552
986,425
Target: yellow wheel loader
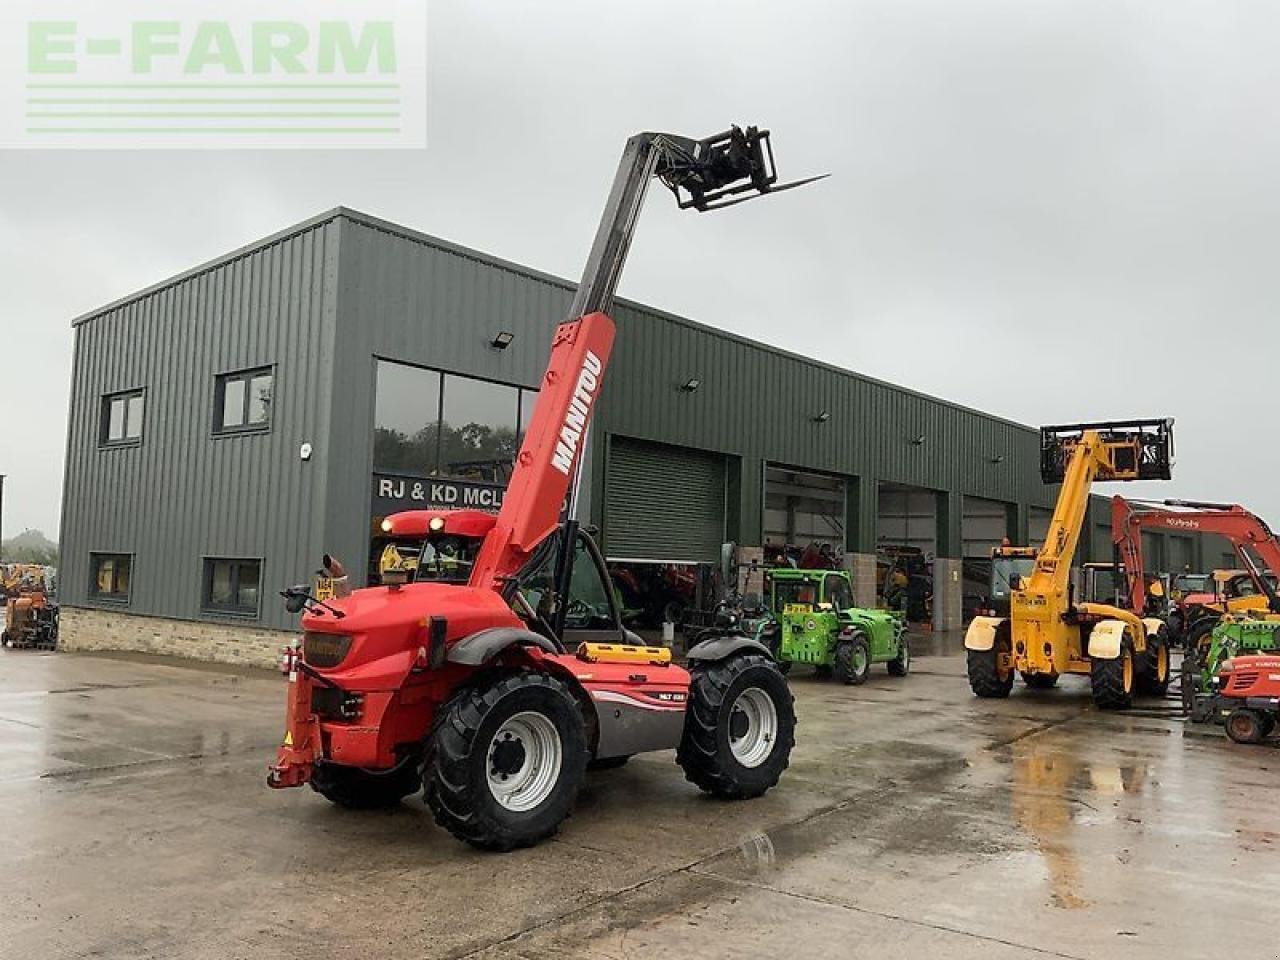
1049,631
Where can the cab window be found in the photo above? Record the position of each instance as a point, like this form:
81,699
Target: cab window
838,593
589,607
448,559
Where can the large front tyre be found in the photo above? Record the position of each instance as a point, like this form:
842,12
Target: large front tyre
986,678
1154,675
900,665
358,789
505,760
1113,680
739,727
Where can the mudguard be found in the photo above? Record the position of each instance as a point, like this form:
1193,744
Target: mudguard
484,645
718,648
981,634
1153,624
1106,639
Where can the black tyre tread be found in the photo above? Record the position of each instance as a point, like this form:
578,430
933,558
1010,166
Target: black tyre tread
1145,681
1040,681
1198,631
900,665
1106,679
1258,734
448,791
699,754
357,789
842,667
984,678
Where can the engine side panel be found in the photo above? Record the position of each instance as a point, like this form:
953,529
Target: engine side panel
638,707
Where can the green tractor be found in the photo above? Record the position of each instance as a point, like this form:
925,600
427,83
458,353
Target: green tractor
815,622
1235,634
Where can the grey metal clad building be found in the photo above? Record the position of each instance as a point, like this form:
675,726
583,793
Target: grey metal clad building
231,424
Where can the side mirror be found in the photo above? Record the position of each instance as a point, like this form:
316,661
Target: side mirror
295,598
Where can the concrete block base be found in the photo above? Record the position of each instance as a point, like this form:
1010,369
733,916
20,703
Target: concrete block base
85,629
948,594
862,573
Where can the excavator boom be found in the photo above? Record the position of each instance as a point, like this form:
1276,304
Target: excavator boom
1247,533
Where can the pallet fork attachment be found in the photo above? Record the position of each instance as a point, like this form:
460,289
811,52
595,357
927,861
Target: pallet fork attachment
1140,449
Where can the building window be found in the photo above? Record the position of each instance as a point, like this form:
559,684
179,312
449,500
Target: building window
111,576
242,401
232,586
445,425
121,418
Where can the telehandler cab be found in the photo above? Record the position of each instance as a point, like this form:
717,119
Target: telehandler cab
494,691
1048,631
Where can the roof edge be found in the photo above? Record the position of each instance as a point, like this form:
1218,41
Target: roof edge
239,253
418,236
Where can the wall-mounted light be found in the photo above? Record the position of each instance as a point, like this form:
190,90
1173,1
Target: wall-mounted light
502,339
690,385
918,440
822,417
996,458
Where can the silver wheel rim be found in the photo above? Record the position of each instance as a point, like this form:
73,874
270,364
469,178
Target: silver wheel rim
906,655
860,661
537,742
756,743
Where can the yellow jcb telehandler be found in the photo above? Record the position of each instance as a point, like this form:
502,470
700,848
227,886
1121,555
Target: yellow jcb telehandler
1049,631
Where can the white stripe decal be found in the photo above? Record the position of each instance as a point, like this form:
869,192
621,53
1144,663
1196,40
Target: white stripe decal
610,696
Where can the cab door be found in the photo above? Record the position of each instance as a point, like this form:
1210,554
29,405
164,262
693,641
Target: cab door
592,614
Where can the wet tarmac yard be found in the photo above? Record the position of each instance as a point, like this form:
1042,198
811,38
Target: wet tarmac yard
914,822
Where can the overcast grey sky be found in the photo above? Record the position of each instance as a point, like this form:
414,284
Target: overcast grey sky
1052,211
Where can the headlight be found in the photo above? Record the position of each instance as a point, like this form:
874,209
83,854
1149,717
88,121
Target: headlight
325,649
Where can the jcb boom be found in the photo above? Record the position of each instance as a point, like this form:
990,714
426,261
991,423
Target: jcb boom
1048,633
496,675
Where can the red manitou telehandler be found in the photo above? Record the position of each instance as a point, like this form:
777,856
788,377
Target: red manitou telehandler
503,669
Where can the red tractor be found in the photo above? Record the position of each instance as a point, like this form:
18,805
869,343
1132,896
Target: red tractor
1247,701
496,676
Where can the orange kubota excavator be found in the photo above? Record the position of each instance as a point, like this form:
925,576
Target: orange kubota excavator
1253,541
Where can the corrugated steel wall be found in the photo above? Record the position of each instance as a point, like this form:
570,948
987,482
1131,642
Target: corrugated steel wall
183,494
409,297
402,298
323,300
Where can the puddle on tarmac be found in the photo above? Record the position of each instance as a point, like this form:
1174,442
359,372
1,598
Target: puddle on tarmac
1052,790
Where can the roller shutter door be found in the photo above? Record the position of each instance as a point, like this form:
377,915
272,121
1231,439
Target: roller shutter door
663,503
983,527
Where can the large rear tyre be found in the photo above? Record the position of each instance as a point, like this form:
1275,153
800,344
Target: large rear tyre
1199,637
358,789
739,727
1153,678
1112,681
987,677
851,662
505,760
1245,726
900,665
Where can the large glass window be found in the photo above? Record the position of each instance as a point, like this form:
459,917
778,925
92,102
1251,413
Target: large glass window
447,425
478,430
121,418
110,576
243,401
232,586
